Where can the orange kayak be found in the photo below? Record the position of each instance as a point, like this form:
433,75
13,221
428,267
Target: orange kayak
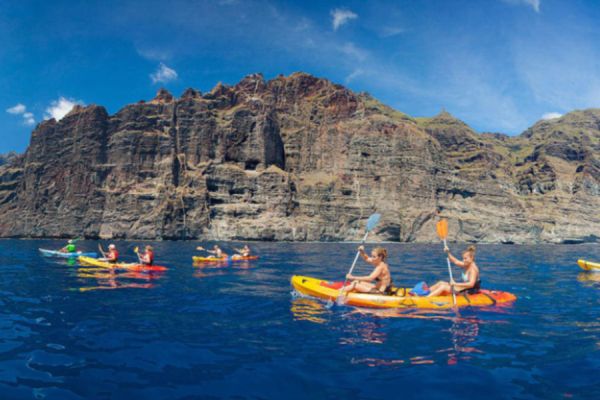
94,262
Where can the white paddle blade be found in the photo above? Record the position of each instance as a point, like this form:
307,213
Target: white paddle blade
373,221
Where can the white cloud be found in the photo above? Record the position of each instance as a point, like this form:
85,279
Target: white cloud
535,4
351,50
354,74
163,74
390,31
28,118
154,54
341,16
551,115
61,107
18,109
21,109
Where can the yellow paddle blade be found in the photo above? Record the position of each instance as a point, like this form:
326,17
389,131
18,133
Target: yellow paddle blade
442,228
135,249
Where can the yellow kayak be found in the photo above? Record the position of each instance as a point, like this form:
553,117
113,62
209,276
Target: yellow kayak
94,262
330,291
212,259
588,266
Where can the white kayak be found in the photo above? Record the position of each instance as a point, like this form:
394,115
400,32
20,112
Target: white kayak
54,253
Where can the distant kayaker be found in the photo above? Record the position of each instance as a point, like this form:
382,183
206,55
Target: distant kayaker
216,251
113,255
244,251
379,281
148,257
70,247
471,280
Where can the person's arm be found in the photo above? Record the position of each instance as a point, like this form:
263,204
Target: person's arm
369,278
363,254
454,260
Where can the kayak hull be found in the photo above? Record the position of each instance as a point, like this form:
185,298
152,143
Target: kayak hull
588,266
94,262
198,259
327,291
54,253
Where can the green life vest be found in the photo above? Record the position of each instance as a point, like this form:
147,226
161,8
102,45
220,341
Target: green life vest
71,248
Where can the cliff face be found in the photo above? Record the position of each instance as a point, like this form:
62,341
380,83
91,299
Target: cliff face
299,158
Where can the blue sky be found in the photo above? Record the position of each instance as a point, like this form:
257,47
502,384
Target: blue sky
499,65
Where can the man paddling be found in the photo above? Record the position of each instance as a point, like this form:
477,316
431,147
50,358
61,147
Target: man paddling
244,251
112,256
216,251
70,247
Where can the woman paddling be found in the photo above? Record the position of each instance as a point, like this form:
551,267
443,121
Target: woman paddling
148,257
379,281
472,282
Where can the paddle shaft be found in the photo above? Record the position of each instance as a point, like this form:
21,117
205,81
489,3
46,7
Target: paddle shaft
355,259
451,277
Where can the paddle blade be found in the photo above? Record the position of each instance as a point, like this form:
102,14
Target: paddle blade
373,221
442,228
135,249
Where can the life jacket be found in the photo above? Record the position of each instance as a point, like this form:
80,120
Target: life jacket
114,255
71,248
150,257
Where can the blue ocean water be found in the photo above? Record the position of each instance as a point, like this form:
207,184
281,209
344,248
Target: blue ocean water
237,331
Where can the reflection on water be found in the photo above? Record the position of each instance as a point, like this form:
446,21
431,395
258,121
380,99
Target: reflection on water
212,269
591,277
111,279
304,309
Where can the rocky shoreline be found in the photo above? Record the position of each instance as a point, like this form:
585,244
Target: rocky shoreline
299,158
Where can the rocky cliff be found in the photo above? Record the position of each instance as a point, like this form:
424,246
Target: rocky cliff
299,158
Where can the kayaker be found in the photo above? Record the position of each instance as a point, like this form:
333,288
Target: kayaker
216,251
244,251
471,280
70,247
148,257
113,255
379,281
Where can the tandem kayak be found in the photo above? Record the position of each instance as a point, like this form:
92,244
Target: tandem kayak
330,291
94,262
588,266
198,259
54,253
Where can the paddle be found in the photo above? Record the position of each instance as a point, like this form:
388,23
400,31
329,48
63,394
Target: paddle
101,250
442,231
137,252
371,223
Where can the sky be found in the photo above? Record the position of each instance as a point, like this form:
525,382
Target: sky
499,65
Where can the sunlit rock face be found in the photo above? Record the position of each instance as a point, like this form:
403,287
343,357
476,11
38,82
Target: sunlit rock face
299,158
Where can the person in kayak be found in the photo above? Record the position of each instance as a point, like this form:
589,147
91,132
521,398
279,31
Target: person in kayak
471,280
216,251
379,281
244,251
113,255
148,257
70,247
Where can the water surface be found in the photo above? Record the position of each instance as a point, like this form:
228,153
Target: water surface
237,331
